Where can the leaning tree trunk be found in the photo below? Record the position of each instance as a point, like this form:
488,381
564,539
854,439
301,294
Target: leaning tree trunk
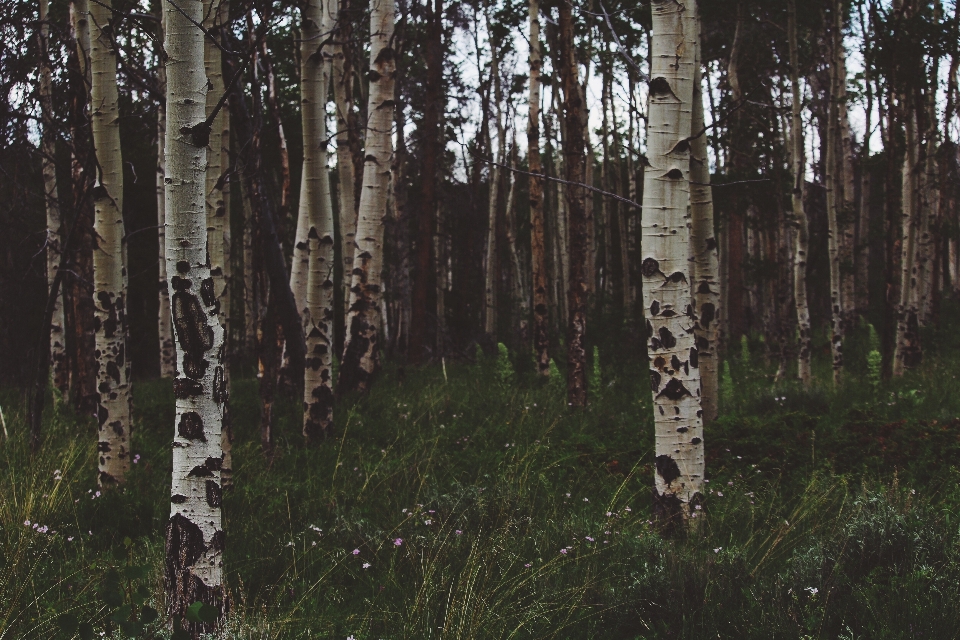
194,538
705,259
317,208
538,256
168,353
674,358
573,156
58,355
801,249
361,357
113,384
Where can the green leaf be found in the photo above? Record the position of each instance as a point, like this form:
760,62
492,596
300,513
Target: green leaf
148,615
202,612
68,623
136,572
131,629
127,542
85,631
121,614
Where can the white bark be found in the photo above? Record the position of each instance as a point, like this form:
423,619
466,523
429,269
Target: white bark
705,259
907,351
361,360
316,207
834,186
491,262
674,360
194,542
113,384
58,360
168,353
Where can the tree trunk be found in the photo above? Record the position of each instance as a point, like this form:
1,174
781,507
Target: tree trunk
58,359
834,185
573,155
343,98
674,358
520,305
82,308
538,257
907,353
113,384
432,149
316,206
361,359
168,352
491,262
705,260
194,538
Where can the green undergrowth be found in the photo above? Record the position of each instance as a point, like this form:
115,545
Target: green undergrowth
468,502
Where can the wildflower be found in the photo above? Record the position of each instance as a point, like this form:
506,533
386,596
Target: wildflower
586,499
588,538
813,590
698,507
431,511
404,511
428,522
355,552
730,483
69,538
609,514
528,565
606,533
458,532
717,550
627,509
136,458
563,551
313,544
290,544
568,495
35,525
398,542
720,493
26,523
366,565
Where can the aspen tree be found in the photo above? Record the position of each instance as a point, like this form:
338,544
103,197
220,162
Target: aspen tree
168,352
574,159
798,165
317,208
218,223
361,359
862,255
113,384
703,251
538,257
907,352
491,267
58,355
674,359
194,538
834,187
343,99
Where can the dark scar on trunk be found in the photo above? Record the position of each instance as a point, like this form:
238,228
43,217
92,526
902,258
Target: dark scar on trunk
193,332
667,468
191,426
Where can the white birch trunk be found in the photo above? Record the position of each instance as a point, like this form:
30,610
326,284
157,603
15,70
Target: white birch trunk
538,256
317,208
907,352
113,384
168,353
834,186
194,538
705,259
491,262
343,99
58,359
798,166
674,359
361,360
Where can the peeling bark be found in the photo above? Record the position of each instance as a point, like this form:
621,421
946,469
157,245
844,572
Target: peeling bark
194,537
361,358
672,349
113,384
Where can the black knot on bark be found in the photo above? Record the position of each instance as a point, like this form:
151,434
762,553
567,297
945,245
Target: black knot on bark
674,390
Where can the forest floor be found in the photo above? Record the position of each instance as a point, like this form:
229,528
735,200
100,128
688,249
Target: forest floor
470,503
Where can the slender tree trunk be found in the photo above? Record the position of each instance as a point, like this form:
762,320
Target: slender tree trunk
538,257
194,538
674,357
361,359
705,259
343,98
845,184
317,207
519,299
733,320
834,184
491,262
113,384
168,352
83,171
862,257
573,155
58,359
907,353
432,149
251,294
401,237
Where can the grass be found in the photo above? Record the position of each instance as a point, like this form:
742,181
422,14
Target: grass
471,504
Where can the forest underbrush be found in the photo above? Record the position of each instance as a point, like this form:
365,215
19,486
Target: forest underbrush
468,502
